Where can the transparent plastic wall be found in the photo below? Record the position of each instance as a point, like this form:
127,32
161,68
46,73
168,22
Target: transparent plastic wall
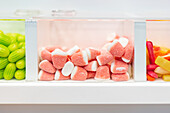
66,33
158,34
12,26
12,41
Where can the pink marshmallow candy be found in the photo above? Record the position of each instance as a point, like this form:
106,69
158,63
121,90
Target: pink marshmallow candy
92,66
102,73
47,66
68,68
104,58
127,57
79,74
60,76
116,49
110,62
120,77
73,50
59,58
92,53
119,66
123,41
45,76
45,55
80,58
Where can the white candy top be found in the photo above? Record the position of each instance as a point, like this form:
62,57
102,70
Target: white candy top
59,52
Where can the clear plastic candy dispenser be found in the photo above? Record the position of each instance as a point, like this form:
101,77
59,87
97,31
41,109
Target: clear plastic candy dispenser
158,50
85,50
12,49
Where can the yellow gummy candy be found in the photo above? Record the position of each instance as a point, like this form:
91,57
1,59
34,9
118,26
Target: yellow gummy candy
163,63
164,50
166,77
161,71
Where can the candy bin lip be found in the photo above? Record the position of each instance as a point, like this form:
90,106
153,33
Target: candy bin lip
14,29
83,33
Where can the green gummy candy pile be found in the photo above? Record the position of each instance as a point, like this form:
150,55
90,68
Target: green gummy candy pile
12,56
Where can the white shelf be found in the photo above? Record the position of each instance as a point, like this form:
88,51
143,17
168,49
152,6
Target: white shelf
85,93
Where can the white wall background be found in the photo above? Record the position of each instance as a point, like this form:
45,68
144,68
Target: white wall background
99,8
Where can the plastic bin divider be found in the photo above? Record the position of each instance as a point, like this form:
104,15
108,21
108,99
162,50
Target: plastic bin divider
31,50
140,51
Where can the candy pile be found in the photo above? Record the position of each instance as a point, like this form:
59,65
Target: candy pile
158,62
12,56
110,62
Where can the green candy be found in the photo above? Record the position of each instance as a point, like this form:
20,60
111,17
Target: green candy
12,56
9,71
16,55
21,38
20,74
23,47
5,40
3,62
21,44
1,74
20,64
13,37
13,47
4,52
